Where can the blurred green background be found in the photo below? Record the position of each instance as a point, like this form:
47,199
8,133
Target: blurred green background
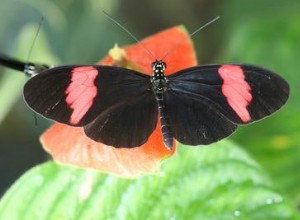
265,33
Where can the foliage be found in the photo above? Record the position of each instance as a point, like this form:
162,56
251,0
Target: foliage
217,182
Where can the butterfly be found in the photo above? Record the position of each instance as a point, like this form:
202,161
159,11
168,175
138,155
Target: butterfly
121,107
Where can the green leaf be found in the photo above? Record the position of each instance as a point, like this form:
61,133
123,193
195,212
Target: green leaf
215,182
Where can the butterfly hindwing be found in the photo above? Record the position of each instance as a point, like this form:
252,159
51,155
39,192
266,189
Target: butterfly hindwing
205,103
193,121
76,95
126,124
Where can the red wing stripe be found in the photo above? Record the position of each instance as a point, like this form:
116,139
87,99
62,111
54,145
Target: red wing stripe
81,92
236,90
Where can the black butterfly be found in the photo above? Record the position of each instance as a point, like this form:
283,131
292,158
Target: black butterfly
121,107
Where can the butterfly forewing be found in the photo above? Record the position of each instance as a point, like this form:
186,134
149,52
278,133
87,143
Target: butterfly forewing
243,93
205,86
206,102
269,91
76,95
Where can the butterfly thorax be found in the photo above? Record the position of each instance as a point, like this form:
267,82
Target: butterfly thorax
158,80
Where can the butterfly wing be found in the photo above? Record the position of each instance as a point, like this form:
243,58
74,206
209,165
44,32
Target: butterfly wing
114,104
206,103
76,95
126,124
194,121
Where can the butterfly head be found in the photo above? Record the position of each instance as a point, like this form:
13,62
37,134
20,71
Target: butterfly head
158,67
31,69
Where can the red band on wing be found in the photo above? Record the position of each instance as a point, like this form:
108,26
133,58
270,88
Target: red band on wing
81,92
236,90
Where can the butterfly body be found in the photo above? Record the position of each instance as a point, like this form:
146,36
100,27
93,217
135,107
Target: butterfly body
160,86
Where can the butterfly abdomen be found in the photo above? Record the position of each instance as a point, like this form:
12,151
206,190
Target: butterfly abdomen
164,123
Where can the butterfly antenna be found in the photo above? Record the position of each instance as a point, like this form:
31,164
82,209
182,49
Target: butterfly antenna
130,34
31,69
191,35
34,67
35,38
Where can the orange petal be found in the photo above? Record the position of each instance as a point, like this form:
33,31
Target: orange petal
69,145
174,41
